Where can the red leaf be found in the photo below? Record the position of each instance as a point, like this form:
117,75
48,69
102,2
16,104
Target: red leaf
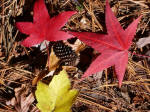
113,46
44,28
55,24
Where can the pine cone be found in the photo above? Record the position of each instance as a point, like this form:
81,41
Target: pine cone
65,53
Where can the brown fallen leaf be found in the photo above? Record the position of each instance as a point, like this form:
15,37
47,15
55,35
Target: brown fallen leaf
22,100
143,42
53,61
78,46
39,76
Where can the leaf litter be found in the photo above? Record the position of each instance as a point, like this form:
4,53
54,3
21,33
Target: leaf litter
22,100
20,65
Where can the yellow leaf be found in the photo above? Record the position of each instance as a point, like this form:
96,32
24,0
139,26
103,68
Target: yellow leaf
57,97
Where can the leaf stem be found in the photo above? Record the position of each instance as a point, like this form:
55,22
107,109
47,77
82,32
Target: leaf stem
139,54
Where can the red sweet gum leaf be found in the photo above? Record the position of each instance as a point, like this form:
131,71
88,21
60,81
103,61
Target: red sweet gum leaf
43,28
55,24
113,46
40,15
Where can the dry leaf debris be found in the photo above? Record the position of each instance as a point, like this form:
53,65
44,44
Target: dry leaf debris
22,100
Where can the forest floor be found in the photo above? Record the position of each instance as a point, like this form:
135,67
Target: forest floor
21,68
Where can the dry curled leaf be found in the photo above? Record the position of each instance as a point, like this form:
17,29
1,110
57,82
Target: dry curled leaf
22,100
53,61
143,42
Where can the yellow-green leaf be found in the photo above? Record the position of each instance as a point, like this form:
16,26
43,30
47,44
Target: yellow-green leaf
57,97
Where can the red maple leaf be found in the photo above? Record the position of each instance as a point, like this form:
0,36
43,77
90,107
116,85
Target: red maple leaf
43,28
113,46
